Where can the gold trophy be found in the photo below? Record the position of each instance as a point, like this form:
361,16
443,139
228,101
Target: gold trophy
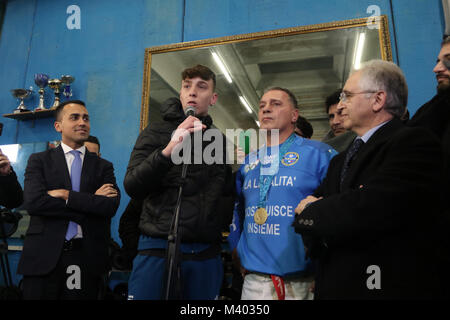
55,84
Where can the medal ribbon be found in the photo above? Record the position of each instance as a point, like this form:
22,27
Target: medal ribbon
278,283
266,180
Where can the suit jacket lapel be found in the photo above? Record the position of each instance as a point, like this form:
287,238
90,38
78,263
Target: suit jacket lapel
87,170
59,160
372,145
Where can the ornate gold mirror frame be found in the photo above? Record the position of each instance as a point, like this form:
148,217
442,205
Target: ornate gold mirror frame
320,55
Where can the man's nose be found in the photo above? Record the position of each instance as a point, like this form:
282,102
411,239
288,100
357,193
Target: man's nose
336,119
82,122
192,91
265,108
439,67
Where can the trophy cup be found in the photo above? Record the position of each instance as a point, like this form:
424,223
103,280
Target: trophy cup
41,81
21,94
55,84
67,80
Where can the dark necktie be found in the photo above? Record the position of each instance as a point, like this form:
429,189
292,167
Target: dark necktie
75,177
349,157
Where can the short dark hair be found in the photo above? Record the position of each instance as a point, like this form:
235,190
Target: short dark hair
61,106
199,71
305,127
292,97
94,139
332,99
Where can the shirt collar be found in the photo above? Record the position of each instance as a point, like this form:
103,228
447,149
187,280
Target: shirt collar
67,149
369,133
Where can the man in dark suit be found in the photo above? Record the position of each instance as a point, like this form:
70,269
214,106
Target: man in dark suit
435,115
71,195
370,223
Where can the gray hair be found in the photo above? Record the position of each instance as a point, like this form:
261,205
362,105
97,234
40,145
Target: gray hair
388,77
445,41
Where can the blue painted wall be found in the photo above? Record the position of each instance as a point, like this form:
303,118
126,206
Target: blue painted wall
107,55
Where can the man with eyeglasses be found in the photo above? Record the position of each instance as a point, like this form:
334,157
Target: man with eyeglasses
435,115
369,223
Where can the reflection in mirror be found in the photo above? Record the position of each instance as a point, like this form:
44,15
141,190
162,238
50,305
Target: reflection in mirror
311,61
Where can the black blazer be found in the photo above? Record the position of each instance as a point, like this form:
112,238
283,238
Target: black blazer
50,216
384,215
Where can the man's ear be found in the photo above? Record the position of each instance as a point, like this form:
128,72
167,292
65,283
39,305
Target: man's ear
379,101
213,99
294,116
57,126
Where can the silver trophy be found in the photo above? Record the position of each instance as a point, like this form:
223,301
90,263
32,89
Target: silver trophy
21,94
67,80
55,84
41,81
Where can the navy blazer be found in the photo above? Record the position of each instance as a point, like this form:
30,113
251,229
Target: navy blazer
50,216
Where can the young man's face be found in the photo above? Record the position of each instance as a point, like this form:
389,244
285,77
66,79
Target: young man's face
442,73
276,111
198,93
73,125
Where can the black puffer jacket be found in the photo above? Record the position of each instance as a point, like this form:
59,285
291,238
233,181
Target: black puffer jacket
150,176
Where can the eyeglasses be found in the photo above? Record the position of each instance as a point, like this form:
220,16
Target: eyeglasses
347,94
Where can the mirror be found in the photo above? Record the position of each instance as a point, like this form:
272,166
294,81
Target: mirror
311,61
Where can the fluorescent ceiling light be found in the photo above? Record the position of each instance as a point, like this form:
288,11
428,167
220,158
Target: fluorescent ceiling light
257,122
359,50
244,102
222,66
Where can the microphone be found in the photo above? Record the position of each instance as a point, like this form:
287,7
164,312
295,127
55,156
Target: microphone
190,111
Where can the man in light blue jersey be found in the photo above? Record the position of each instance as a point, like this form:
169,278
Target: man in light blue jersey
269,185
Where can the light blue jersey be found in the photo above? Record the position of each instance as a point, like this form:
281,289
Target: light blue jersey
274,247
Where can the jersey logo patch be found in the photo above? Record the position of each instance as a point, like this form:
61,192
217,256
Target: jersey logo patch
250,166
290,158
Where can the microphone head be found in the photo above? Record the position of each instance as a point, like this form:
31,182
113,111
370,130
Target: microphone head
189,111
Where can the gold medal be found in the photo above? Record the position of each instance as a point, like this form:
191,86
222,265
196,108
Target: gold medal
260,216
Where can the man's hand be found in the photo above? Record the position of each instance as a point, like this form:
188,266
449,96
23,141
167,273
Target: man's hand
5,165
304,203
189,125
59,193
240,155
107,190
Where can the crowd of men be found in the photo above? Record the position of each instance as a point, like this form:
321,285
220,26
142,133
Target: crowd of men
359,215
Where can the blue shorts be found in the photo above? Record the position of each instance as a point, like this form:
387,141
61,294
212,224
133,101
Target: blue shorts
201,280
